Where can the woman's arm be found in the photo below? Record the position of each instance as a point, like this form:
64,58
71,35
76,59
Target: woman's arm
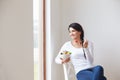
89,51
62,57
60,60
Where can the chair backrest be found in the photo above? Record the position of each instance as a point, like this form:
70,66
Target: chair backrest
69,72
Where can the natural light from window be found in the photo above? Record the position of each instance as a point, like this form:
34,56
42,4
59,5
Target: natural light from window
36,38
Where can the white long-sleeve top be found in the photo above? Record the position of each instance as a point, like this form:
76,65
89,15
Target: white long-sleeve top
77,57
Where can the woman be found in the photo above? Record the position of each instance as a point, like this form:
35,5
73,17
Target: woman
81,55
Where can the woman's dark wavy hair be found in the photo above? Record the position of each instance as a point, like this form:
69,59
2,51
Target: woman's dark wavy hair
79,28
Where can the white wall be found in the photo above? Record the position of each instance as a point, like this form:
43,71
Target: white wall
100,20
16,41
56,39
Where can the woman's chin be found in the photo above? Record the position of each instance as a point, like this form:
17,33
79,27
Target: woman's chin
73,38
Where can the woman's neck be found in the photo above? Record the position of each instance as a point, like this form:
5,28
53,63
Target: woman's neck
77,43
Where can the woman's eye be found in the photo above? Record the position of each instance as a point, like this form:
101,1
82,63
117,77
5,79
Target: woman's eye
72,31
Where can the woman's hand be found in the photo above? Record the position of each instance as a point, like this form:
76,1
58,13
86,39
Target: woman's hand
65,60
85,43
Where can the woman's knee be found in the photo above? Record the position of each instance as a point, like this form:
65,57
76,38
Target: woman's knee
99,69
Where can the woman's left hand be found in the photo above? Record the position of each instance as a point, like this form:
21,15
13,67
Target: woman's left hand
65,60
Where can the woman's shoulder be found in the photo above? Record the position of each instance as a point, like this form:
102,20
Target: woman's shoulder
90,43
67,43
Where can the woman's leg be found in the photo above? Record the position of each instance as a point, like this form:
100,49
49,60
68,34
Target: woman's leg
85,75
98,73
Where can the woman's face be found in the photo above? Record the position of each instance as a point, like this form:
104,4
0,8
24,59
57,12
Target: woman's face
74,34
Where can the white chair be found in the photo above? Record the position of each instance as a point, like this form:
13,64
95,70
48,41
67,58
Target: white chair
69,72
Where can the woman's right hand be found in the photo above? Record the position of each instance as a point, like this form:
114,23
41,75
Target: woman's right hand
65,60
85,43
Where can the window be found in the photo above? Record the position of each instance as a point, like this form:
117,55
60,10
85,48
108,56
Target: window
38,39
